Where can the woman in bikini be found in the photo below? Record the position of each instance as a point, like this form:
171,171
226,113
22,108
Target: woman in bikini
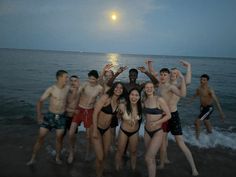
156,112
130,113
105,108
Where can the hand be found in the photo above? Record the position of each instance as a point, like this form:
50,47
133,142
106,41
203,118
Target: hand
107,67
185,63
122,68
148,61
142,69
40,118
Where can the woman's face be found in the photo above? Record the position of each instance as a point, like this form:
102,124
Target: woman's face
149,88
134,96
118,90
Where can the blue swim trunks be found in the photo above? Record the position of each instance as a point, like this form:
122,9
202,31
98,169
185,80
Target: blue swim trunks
54,121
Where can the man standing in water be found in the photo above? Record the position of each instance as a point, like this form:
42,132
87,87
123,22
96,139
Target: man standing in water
55,117
207,97
169,91
88,94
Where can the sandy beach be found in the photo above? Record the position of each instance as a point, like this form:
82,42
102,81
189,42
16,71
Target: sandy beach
19,136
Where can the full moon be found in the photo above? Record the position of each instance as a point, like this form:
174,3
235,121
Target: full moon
114,17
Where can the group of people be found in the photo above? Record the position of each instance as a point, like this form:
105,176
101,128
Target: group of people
102,104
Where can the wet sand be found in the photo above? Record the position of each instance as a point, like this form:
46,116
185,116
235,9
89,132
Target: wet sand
17,139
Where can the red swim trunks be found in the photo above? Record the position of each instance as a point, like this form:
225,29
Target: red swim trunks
85,116
166,126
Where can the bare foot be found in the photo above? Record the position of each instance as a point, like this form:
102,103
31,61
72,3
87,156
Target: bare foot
195,173
70,158
58,161
160,167
31,162
167,161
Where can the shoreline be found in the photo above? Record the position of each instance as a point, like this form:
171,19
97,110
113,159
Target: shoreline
18,139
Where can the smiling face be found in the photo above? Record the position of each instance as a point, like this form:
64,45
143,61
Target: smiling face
134,96
118,90
149,88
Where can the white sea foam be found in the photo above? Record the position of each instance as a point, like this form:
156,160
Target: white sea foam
216,138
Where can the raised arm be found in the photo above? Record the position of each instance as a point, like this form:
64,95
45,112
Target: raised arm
188,76
148,62
120,70
106,68
182,90
151,77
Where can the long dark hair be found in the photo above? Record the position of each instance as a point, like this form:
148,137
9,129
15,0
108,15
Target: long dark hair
139,105
110,92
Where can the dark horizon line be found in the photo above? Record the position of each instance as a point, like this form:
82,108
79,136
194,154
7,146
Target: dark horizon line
52,50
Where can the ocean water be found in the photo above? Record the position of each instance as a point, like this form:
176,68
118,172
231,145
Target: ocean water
25,74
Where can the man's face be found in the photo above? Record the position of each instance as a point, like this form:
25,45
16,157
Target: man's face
203,81
133,76
92,80
164,77
63,79
74,82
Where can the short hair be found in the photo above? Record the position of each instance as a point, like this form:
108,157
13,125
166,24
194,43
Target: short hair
165,70
93,73
60,73
205,76
74,76
133,70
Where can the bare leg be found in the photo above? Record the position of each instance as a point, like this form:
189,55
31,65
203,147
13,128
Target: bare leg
151,152
133,142
101,147
59,140
113,139
72,140
163,150
39,142
180,142
208,126
89,143
121,145
197,128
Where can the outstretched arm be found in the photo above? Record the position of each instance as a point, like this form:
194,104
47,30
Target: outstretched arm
120,70
152,78
148,62
106,68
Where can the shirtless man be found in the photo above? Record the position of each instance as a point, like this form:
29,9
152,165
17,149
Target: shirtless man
55,117
169,91
207,98
175,79
72,100
88,94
